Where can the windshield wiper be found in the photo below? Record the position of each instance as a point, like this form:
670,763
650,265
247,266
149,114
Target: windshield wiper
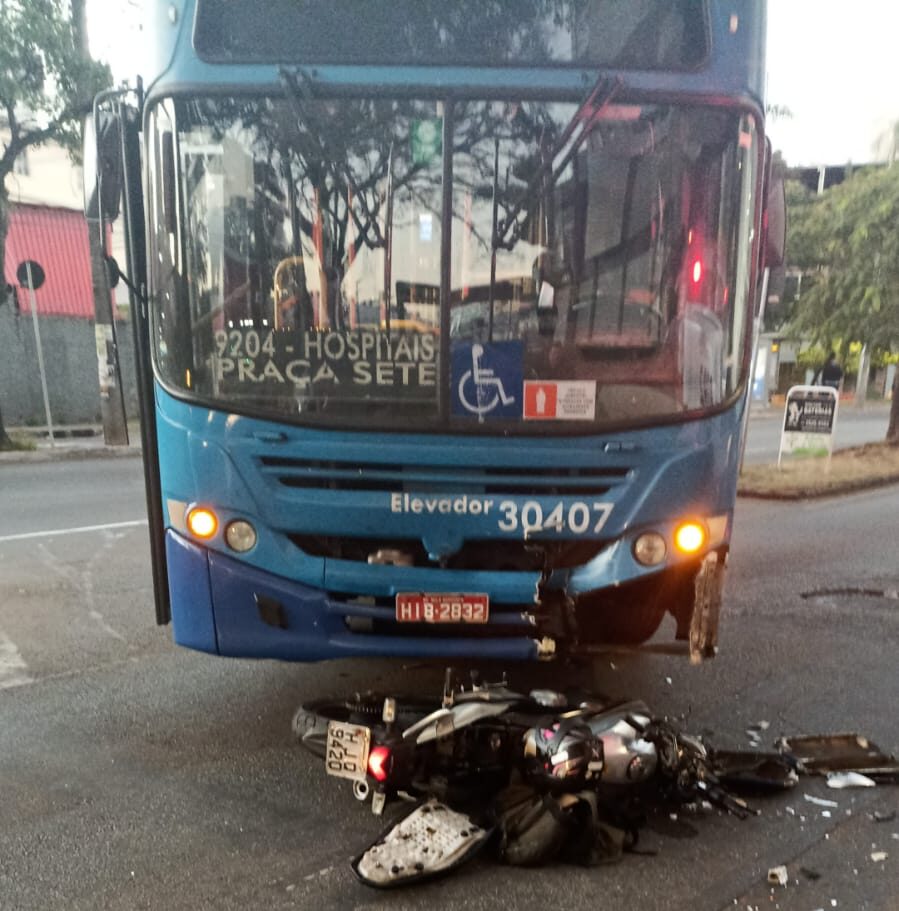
587,115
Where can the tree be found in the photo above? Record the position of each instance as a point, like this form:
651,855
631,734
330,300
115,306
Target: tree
46,88
846,243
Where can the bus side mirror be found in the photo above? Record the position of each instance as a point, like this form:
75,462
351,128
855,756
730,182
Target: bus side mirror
776,214
102,166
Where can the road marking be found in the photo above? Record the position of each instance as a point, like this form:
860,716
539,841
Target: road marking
12,664
71,531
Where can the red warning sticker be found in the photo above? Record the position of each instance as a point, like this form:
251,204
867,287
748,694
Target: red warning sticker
559,400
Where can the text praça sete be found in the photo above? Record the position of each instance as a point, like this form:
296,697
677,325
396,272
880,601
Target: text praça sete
357,357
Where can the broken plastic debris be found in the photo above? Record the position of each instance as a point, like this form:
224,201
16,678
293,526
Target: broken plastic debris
820,801
883,817
878,856
430,840
754,770
841,753
849,780
778,876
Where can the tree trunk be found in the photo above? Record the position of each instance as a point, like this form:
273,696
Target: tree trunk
5,296
893,426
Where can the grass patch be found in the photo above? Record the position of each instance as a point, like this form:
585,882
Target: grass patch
797,478
19,443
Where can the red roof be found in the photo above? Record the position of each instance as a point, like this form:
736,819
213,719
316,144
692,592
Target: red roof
57,240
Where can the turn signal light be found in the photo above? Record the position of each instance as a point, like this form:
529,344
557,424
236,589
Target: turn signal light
202,522
379,763
690,537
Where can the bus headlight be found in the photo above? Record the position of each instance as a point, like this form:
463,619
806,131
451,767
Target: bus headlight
690,537
241,536
650,549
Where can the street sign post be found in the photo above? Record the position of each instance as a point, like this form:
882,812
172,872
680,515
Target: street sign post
31,275
810,418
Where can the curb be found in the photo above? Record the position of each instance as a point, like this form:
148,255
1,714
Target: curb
837,490
68,454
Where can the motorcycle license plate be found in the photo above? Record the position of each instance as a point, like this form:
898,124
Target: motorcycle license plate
422,607
346,752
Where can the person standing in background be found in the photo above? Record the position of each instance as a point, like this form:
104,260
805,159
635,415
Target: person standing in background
831,374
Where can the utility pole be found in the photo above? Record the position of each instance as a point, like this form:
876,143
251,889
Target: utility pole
112,400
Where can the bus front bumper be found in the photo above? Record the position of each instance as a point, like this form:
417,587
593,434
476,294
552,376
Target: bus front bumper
224,607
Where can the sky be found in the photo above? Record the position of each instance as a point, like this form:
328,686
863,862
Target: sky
833,64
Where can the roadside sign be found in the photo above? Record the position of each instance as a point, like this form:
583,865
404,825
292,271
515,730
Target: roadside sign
30,274
810,418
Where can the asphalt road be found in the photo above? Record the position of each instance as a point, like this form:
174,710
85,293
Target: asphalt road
134,774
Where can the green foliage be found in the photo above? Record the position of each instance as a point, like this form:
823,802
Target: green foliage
46,83
847,244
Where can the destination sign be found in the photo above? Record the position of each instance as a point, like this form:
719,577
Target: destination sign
353,363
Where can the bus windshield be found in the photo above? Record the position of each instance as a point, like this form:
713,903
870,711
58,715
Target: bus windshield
470,265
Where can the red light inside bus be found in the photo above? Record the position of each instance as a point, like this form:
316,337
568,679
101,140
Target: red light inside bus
696,271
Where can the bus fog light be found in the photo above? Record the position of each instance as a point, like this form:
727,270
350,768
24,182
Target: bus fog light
690,537
202,522
241,536
650,549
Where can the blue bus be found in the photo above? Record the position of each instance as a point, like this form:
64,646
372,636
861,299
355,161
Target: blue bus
444,317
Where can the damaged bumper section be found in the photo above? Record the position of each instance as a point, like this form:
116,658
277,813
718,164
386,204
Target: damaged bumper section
224,607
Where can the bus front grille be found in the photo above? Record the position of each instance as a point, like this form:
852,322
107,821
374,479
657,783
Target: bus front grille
315,474
490,554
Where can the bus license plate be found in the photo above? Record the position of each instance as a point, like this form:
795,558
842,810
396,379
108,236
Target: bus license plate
346,754
419,607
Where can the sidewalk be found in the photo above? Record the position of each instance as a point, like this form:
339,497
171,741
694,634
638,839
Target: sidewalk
76,441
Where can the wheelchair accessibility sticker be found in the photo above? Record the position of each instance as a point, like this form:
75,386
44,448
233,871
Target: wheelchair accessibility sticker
487,379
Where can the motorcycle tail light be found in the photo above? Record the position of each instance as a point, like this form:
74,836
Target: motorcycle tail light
379,763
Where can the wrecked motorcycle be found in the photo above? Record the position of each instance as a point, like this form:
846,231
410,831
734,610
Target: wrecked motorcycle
548,774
